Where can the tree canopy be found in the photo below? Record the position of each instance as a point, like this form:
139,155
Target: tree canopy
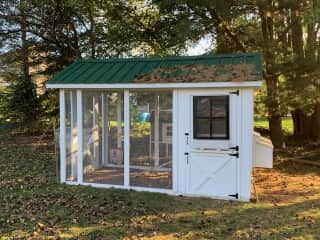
40,37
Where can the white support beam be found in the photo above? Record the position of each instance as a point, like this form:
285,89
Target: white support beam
156,131
104,126
73,132
62,136
175,111
80,136
107,130
94,126
119,122
126,138
245,163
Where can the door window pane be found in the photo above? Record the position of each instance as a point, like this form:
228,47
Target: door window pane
203,106
219,106
151,139
219,128
211,117
203,128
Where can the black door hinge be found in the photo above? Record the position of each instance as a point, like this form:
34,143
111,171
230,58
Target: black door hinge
235,92
236,148
187,138
187,155
234,195
234,155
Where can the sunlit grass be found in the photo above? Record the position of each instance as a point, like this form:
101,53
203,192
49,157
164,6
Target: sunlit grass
33,205
287,124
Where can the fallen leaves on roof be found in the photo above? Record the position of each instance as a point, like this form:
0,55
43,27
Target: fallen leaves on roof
200,73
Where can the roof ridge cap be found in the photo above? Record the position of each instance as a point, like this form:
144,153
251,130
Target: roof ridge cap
168,58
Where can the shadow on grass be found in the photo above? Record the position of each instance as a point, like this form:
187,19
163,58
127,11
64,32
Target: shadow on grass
88,213
33,206
219,220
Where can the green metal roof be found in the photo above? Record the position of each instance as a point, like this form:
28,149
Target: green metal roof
166,69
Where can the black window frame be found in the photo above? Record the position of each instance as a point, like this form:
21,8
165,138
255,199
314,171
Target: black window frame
211,118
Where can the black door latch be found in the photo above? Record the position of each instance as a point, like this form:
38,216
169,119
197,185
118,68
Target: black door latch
235,92
234,195
236,148
234,155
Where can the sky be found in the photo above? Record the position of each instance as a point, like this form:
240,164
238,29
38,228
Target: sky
201,47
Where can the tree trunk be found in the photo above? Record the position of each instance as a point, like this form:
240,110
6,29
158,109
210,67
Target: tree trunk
274,115
92,30
272,103
316,121
307,127
24,48
27,89
297,34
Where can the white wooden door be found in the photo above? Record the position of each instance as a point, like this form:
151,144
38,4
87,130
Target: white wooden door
210,130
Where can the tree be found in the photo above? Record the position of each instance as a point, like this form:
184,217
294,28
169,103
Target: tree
228,22
271,76
51,34
286,32
303,72
22,102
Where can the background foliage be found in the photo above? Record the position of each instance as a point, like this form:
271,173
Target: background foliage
40,37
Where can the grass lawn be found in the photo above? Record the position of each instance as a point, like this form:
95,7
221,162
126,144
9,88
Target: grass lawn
287,124
34,206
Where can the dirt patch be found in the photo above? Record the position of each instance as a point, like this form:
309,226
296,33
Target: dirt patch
287,183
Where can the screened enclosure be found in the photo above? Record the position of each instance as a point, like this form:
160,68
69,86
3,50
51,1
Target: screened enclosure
96,121
103,137
151,139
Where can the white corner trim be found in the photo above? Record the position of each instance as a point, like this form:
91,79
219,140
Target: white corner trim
175,140
62,137
80,137
126,101
252,84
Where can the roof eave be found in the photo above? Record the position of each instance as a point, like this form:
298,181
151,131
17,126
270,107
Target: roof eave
250,84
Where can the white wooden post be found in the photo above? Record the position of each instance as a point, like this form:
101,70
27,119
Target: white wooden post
246,143
93,127
104,137
97,108
71,135
107,130
62,136
156,131
119,122
126,138
80,136
174,140
73,131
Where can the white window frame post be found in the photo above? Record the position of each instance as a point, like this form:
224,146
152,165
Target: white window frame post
80,137
175,155
104,125
126,138
62,136
156,131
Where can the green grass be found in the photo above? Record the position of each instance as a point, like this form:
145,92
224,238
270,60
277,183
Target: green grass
33,206
287,124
